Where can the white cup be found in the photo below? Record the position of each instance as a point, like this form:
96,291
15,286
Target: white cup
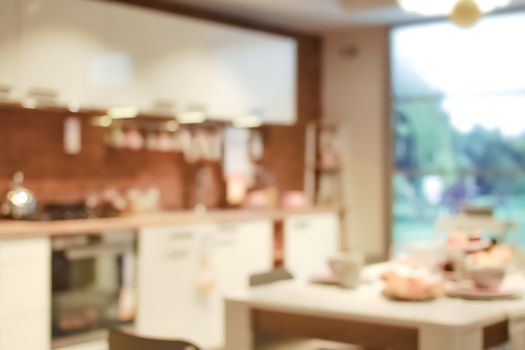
346,266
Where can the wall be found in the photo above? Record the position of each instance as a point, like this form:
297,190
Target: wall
356,95
31,141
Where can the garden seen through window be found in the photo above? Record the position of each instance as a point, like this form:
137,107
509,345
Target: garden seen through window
459,123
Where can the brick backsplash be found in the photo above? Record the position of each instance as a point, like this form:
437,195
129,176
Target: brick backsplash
31,142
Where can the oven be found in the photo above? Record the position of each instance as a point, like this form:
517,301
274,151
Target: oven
93,284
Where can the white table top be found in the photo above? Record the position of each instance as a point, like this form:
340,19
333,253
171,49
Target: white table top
367,304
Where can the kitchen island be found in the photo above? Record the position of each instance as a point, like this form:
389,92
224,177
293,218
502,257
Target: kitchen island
298,309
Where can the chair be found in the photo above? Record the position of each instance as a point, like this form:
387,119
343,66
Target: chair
276,275
119,340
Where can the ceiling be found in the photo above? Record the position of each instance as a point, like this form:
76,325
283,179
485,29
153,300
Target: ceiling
313,15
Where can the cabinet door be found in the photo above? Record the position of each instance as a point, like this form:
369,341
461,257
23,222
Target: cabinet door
183,71
132,37
61,42
172,302
8,48
255,75
241,250
25,283
167,56
184,273
309,242
25,332
25,276
255,248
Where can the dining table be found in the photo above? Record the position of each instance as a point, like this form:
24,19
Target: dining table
364,316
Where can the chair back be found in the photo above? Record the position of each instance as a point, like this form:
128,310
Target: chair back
119,340
276,275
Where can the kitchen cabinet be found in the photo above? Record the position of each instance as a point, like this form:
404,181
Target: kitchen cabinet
25,294
99,54
185,271
255,76
24,332
309,241
62,52
164,60
8,48
169,300
134,36
191,64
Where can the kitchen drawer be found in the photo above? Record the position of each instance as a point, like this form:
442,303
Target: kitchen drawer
25,332
29,251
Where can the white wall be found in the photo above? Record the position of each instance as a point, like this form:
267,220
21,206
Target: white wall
356,94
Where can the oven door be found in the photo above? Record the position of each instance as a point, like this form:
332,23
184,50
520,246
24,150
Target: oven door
93,283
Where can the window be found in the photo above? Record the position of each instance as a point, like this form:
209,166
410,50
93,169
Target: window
459,122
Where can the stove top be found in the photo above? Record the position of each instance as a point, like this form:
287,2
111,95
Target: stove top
60,211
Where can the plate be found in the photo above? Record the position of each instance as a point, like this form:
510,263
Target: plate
469,291
325,278
399,298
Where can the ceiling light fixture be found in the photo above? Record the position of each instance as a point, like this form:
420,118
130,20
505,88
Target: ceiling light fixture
191,117
463,13
249,121
123,112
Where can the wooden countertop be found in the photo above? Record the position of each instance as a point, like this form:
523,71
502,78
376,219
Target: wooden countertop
11,229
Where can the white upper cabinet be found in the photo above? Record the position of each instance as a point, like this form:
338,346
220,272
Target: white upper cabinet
62,50
255,76
132,35
184,64
99,54
8,48
165,62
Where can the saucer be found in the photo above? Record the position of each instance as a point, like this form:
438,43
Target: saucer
467,290
325,278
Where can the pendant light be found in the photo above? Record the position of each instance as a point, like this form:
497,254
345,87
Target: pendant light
463,13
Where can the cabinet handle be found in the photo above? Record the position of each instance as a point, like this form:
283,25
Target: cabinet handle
224,242
228,228
181,236
177,253
40,95
302,225
178,244
5,89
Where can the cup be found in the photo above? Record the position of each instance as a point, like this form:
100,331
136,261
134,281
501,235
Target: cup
487,277
346,267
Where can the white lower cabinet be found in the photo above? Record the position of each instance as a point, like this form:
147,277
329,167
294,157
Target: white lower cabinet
25,332
185,271
25,294
309,241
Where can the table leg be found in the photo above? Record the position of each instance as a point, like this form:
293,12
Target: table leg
450,338
239,332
